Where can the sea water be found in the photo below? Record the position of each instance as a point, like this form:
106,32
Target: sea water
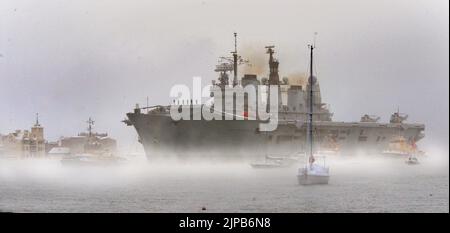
357,184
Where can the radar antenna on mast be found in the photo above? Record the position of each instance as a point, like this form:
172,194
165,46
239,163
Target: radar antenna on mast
274,78
230,64
235,42
90,124
37,120
235,60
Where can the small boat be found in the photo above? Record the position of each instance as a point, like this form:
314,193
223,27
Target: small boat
312,173
59,152
265,165
399,146
275,162
412,160
92,160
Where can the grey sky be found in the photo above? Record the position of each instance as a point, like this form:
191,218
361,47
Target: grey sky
69,60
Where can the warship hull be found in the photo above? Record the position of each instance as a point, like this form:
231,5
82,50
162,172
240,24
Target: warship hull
163,137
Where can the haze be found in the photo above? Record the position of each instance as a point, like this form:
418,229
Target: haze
69,60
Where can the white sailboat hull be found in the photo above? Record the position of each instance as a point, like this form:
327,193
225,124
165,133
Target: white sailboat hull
315,175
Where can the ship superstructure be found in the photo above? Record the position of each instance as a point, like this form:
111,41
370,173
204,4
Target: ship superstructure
163,136
89,142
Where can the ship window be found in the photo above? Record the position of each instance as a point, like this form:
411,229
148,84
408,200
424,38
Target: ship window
293,108
342,138
378,138
284,138
348,132
361,132
362,138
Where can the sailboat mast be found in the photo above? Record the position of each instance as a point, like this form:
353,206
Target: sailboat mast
311,103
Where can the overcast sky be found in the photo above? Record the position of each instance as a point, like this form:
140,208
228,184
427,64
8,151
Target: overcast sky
69,60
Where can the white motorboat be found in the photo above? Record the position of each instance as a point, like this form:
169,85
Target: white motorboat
92,160
266,164
275,162
412,160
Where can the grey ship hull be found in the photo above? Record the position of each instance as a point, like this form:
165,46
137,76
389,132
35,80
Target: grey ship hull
163,137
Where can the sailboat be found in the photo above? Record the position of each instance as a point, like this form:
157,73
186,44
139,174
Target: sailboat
274,161
312,172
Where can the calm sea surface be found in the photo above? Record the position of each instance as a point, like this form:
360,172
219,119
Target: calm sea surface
358,184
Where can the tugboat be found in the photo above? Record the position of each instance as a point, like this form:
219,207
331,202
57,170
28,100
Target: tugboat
399,146
312,173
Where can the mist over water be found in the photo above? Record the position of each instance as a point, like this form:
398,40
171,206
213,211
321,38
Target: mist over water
70,60
358,184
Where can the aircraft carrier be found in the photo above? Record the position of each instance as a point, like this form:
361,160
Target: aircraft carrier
163,136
